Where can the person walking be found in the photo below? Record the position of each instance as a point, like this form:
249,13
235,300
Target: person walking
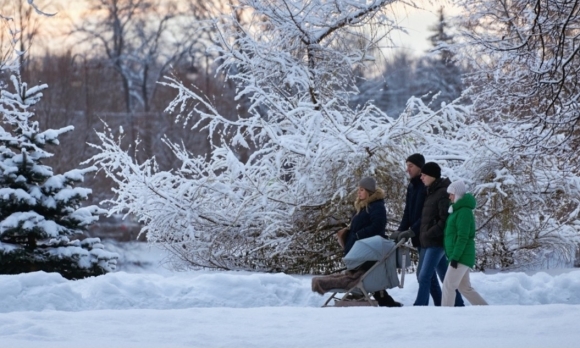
369,220
411,222
460,246
432,258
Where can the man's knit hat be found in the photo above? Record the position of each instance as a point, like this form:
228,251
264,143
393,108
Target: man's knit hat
368,184
458,189
417,159
432,169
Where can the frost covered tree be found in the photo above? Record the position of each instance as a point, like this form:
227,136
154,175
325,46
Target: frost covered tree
527,56
279,210
41,211
526,209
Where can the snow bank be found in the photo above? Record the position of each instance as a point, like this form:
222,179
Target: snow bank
240,309
121,290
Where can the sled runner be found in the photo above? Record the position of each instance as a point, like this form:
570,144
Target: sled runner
356,286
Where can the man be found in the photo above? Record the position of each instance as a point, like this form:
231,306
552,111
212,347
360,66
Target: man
414,201
411,222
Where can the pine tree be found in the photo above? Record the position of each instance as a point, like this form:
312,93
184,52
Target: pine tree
399,77
40,211
441,39
439,72
390,91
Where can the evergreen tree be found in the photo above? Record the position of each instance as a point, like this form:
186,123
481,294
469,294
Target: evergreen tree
399,77
441,40
438,72
390,91
39,211
434,77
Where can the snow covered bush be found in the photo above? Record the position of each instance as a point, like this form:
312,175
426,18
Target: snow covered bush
279,209
524,58
527,207
40,211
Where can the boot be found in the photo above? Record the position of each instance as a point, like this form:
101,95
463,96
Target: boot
385,300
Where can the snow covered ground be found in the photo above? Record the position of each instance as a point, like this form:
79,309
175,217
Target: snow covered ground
153,307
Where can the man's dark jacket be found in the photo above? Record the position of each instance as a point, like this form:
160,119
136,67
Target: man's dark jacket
435,212
413,209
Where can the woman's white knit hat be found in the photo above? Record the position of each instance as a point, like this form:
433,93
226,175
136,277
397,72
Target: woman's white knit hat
458,189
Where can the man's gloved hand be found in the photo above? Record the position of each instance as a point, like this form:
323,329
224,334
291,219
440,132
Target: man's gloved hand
395,235
453,264
406,235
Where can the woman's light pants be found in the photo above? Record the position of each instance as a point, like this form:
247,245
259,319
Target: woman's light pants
458,278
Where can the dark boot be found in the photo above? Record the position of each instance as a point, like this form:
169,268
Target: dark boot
385,300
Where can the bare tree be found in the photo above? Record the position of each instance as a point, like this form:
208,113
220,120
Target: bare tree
24,23
140,39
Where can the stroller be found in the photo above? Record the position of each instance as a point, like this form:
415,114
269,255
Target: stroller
359,282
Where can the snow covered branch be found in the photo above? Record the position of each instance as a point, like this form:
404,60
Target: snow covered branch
279,208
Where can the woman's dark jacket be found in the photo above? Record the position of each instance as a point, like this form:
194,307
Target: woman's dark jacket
413,209
435,212
371,219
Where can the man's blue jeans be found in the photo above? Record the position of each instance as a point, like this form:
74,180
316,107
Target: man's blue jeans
432,262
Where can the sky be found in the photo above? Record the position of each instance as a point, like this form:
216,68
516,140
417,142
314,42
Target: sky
416,22
151,306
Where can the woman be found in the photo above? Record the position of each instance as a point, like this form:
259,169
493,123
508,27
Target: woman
369,220
432,252
460,246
